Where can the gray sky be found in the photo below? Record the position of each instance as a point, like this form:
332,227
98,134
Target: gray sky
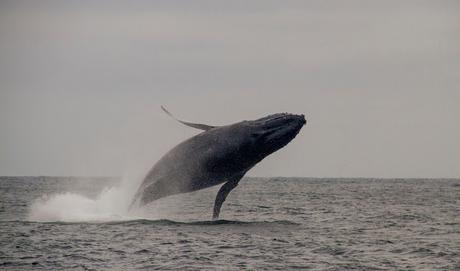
81,84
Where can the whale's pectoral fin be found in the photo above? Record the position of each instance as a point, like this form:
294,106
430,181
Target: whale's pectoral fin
222,195
194,125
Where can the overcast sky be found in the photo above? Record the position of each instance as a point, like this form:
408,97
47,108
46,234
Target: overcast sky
81,83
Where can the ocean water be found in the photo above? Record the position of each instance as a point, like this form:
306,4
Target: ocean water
266,224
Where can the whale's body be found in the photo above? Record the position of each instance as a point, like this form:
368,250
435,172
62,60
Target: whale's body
218,155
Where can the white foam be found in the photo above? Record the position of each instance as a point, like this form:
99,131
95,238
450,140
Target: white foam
111,204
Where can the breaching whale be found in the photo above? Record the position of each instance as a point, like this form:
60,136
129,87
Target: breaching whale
220,154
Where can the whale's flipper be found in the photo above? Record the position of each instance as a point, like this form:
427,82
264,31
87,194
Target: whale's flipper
222,194
194,125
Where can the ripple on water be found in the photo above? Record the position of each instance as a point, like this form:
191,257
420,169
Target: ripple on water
289,224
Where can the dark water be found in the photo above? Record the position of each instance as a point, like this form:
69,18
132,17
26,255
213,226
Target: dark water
272,224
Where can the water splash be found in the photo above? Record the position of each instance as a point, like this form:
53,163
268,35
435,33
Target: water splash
111,204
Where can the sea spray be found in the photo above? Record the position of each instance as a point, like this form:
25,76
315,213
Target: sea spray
110,204
71,207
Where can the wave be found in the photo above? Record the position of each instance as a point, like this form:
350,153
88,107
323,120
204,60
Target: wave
201,223
164,222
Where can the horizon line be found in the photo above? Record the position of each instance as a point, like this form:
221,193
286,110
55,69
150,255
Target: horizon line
290,177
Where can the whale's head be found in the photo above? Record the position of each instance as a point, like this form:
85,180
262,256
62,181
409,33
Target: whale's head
240,146
273,132
269,134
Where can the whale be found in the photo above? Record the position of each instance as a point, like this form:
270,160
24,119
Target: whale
217,155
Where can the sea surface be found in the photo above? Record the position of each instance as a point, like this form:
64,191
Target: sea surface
54,223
